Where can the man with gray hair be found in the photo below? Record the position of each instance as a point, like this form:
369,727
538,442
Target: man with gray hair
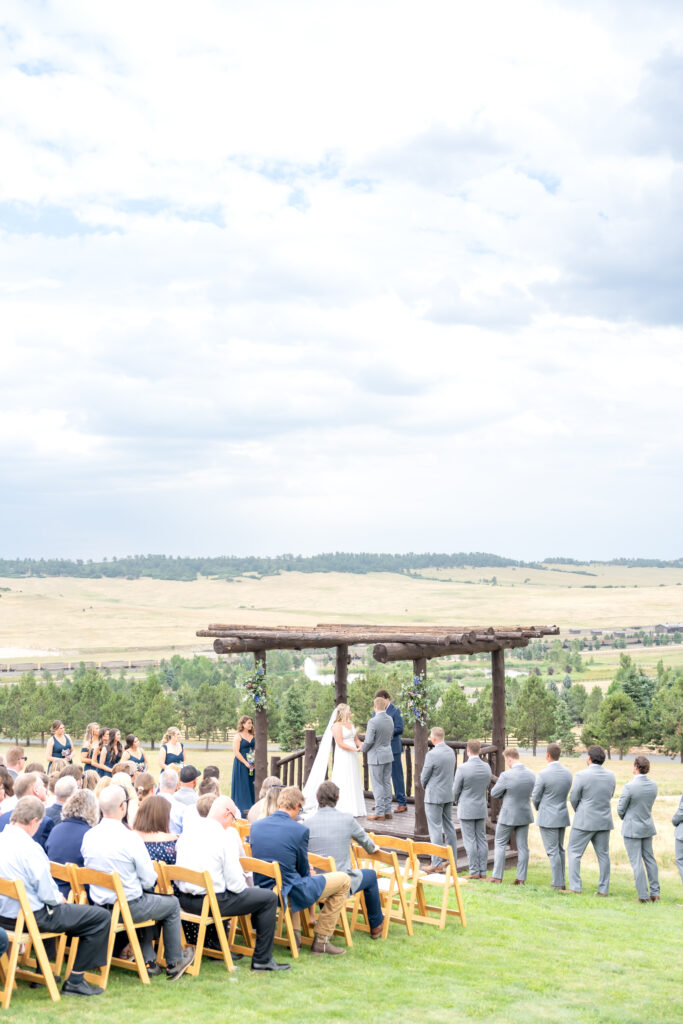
64,788
437,781
168,784
110,846
21,858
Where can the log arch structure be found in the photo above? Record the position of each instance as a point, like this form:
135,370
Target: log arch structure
417,644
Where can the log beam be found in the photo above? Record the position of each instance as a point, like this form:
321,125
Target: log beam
410,652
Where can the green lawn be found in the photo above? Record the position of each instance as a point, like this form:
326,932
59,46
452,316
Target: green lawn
527,954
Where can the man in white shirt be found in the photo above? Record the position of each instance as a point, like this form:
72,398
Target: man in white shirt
110,846
22,858
184,797
210,844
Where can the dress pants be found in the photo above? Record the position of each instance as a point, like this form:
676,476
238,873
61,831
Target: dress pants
334,895
372,900
440,825
578,841
398,781
553,844
679,857
380,778
477,849
503,833
89,924
642,859
260,904
166,911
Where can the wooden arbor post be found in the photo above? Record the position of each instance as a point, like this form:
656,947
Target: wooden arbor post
260,729
341,675
498,716
420,671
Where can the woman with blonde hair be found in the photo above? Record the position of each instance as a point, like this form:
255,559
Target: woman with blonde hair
171,751
243,745
89,745
90,779
345,765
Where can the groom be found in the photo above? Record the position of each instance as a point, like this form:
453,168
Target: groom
377,745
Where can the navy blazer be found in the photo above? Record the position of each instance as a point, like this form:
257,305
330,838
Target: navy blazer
44,829
64,845
280,838
395,714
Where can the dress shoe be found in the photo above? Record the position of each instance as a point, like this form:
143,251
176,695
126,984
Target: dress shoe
153,969
436,869
322,944
496,881
375,817
177,970
603,894
376,933
473,878
637,899
271,965
483,876
80,988
654,899
518,881
389,815
401,809
571,892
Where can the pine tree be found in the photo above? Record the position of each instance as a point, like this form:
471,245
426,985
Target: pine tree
533,716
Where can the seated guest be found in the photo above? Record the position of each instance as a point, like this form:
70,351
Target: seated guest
207,787
15,759
168,784
110,846
144,786
152,825
79,813
125,768
73,770
36,766
4,941
211,772
209,844
21,858
185,795
8,801
281,838
90,779
31,784
256,811
331,832
64,788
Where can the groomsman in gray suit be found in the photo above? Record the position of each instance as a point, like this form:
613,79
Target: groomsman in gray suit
515,787
638,828
469,793
437,782
590,797
377,745
677,820
550,800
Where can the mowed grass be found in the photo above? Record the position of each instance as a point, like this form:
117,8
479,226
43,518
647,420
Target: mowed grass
118,618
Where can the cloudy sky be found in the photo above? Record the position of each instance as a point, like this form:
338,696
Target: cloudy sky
301,276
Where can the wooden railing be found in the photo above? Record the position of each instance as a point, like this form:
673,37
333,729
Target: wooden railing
293,769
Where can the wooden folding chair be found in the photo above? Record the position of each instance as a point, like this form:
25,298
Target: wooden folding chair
321,865
390,884
405,849
271,869
121,921
62,873
243,827
446,881
210,914
26,932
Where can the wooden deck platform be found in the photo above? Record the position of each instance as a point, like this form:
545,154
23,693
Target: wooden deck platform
403,826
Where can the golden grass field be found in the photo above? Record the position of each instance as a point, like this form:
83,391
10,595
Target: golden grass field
117,618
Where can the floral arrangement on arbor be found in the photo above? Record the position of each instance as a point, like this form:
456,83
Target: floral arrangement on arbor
415,699
256,688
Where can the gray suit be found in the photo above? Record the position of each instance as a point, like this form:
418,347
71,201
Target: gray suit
377,745
437,782
638,828
550,800
469,792
677,820
590,797
515,787
331,832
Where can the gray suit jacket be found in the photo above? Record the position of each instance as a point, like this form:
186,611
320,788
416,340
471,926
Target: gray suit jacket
590,797
635,808
550,796
331,832
469,788
437,775
378,739
515,786
677,820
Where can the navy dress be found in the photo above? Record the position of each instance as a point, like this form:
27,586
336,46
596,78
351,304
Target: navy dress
242,790
171,759
62,751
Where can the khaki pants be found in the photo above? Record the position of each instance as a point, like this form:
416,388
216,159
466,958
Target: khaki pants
335,893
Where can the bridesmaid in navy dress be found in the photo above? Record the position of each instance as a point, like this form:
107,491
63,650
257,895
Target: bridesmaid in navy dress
134,753
171,751
110,755
59,750
243,766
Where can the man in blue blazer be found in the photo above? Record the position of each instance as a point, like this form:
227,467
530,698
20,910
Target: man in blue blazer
397,779
281,838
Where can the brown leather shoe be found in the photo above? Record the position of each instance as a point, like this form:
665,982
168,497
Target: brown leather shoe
518,881
375,817
322,944
375,933
435,869
389,815
474,878
570,892
483,876
496,881
637,899
654,899
401,808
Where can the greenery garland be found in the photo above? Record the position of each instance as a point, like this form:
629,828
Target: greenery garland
256,688
415,698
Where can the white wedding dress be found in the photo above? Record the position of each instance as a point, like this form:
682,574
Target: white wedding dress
346,775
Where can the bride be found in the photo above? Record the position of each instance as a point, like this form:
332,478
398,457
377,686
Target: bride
345,767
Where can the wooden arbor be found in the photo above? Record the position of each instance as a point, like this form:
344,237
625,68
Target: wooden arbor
418,644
